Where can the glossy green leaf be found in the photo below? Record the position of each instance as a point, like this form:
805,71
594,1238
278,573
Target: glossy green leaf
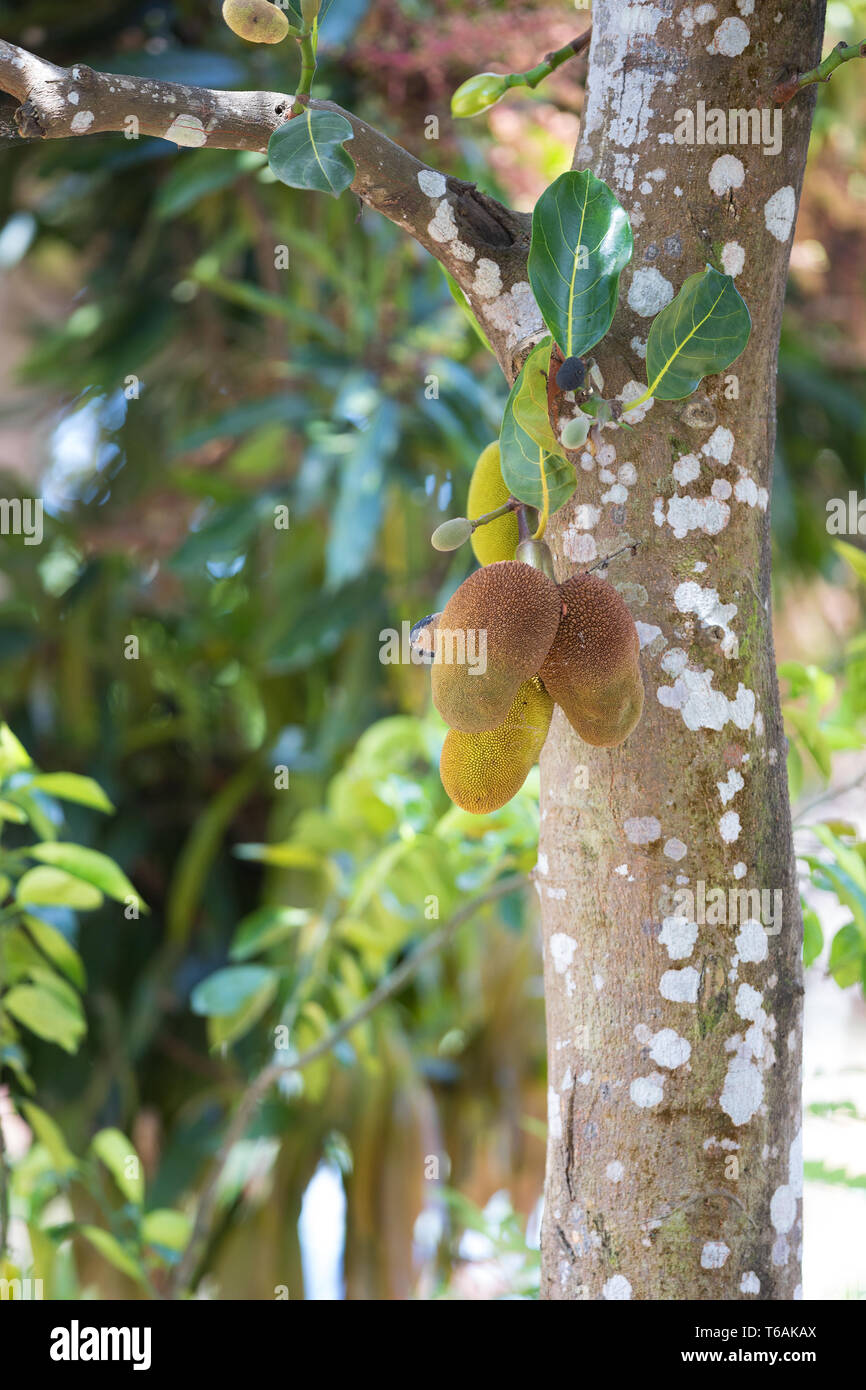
581,240
47,1014
847,954
699,333
122,1162
45,886
265,928
527,469
69,786
90,866
530,400
307,152
13,755
228,990
53,944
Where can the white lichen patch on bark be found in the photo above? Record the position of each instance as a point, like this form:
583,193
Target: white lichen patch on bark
678,935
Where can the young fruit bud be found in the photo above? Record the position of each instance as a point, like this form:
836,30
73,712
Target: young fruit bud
257,21
477,94
309,10
537,554
571,374
574,431
451,534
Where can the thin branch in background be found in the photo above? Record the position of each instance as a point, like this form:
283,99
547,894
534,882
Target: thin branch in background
842,53
830,794
261,1084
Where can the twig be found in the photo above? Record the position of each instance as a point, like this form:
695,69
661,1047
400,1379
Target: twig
842,53
272,1073
606,559
828,795
550,62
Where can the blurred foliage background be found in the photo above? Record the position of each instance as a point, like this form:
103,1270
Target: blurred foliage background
164,386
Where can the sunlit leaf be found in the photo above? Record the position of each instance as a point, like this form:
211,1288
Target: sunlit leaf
122,1162
702,331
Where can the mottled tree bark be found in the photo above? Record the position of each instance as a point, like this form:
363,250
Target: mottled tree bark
673,1166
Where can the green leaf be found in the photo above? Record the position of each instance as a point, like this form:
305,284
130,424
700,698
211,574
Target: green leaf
265,928
9,811
813,936
170,1229
846,955
69,786
530,401
122,1162
228,990
48,887
13,755
307,152
700,333
855,557
226,1028
53,944
49,1134
527,469
581,240
41,1009
90,866
112,1250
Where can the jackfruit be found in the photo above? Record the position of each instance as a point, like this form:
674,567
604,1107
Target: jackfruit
480,772
257,21
592,669
487,491
494,633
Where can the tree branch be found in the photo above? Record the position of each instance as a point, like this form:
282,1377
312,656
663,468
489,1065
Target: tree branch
483,244
274,1071
842,53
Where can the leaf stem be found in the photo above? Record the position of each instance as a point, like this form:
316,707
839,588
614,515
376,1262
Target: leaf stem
307,46
842,53
549,63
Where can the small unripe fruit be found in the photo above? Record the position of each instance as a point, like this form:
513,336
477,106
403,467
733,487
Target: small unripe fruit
257,21
537,554
571,374
478,94
451,534
574,431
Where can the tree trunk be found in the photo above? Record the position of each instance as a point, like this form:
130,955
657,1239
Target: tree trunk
674,1033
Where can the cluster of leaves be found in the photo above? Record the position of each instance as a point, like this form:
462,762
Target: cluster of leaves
581,242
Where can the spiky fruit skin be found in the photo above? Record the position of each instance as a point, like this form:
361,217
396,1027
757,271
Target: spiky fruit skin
257,21
487,491
592,669
480,772
517,609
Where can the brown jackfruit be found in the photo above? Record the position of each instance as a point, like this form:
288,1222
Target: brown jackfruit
480,772
494,633
257,21
487,492
592,669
